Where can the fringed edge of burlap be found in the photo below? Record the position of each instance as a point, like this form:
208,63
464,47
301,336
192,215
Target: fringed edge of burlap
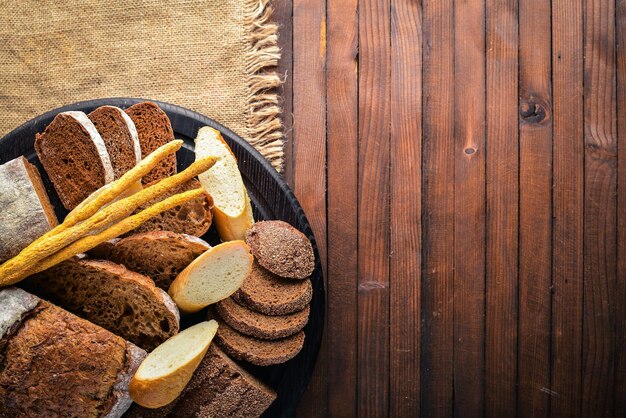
264,129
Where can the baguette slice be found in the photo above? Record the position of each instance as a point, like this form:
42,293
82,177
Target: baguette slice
233,212
213,276
166,371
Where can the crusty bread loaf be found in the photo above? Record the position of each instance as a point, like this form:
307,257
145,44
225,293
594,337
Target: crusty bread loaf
74,156
56,364
160,255
154,129
26,210
265,292
120,137
107,294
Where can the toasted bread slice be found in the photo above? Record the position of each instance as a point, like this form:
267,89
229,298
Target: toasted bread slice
213,276
163,375
233,213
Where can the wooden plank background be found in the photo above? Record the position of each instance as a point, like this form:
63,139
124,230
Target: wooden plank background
463,166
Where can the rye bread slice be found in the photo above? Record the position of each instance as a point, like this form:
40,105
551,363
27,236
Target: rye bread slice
259,325
120,137
281,248
74,156
192,218
267,293
154,129
160,255
107,294
255,350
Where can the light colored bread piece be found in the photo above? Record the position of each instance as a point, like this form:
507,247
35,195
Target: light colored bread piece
233,213
74,156
213,276
107,294
166,371
77,368
26,210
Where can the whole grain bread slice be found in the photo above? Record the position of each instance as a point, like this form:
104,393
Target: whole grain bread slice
120,137
270,294
74,156
107,294
259,325
160,255
154,129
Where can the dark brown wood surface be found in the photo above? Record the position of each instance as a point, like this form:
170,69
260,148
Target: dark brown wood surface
463,166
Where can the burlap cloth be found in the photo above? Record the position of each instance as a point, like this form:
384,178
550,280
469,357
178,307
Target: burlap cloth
214,57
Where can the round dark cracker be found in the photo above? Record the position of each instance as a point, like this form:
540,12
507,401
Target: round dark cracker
282,249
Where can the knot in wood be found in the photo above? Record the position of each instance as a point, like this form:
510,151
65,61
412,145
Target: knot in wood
532,110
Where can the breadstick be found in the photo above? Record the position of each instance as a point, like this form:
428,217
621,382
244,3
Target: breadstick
90,241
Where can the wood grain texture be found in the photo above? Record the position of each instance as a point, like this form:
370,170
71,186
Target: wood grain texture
405,245
600,209
502,176
438,148
568,200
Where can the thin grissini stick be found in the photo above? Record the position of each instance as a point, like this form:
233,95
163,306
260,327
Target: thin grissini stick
91,241
102,219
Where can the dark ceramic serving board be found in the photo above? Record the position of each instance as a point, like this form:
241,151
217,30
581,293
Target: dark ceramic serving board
271,199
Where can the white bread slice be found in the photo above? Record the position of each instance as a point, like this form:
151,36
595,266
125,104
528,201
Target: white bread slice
232,211
213,276
163,375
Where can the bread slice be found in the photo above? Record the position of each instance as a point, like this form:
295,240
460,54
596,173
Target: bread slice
282,249
213,276
255,350
56,364
107,294
166,371
120,137
259,325
160,255
74,156
154,129
219,388
270,294
26,210
192,218
233,213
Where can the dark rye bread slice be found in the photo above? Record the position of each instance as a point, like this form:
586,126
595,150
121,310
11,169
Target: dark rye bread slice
260,325
254,350
219,388
154,129
107,294
74,156
160,255
270,294
281,248
192,218
55,364
120,137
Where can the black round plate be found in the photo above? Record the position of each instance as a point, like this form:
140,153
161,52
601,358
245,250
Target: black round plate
271,199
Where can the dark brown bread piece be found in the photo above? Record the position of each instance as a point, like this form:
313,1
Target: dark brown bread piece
218,388
192,218
74,156
282,249
160,255
267,293
107,294
260,325
120,137
154,129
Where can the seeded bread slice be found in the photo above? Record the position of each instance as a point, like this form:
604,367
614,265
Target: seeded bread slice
120,137
107,294
74,156
259,325
270,294
154,129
